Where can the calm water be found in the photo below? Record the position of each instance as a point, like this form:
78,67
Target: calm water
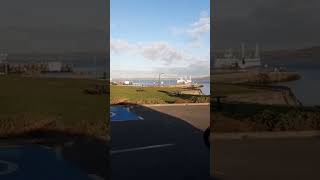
307,89
205,89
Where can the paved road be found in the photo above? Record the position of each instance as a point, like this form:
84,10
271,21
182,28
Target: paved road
54,156
179,152
35,162
294,159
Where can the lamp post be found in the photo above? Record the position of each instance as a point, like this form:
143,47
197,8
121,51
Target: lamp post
159,78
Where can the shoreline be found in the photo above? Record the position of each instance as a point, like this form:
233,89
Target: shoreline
254,77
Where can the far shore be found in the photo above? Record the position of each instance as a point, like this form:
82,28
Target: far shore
254,77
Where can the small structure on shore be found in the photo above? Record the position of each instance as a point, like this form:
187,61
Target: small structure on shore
127,82
54,66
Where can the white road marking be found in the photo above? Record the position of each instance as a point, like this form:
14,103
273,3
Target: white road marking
141,148
112,114
11,167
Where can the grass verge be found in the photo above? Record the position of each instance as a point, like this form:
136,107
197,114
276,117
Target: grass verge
30,104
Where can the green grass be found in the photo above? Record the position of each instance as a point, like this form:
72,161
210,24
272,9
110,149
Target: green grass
32,103
150,95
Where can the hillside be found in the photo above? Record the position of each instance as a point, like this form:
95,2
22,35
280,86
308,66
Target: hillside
312,52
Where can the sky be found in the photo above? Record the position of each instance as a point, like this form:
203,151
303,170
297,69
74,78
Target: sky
159,36
274,24
52,25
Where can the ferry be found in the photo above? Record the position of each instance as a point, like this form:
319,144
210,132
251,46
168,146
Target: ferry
184,81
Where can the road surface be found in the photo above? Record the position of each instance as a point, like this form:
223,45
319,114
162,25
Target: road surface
293,159
167,144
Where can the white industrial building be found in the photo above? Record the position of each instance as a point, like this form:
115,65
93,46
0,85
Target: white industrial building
54,66
243,61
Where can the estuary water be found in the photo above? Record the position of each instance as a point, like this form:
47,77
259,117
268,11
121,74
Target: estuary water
205,89
307,89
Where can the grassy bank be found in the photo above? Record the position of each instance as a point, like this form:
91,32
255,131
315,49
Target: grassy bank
255,117
152,95
29,104
250,109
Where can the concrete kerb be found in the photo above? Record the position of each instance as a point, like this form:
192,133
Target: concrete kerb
264,135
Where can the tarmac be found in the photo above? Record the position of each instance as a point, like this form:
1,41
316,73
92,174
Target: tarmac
166,144
262,157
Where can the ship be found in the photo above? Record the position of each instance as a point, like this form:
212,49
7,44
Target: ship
184,81
242,61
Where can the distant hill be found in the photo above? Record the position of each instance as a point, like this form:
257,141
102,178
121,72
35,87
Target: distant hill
100,55
312,53
166,78
202,78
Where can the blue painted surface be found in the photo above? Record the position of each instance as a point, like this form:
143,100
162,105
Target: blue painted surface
36,163
120,113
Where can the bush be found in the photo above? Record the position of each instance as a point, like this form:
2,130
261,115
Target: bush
267,119
291,120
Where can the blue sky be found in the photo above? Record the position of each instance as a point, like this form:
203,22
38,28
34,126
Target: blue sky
170,36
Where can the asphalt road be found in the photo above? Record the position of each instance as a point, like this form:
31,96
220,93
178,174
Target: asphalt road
36,162
167,144
54,155
293,159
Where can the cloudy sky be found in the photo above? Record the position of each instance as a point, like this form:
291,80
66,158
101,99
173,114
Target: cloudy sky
52,25
167,36
274,24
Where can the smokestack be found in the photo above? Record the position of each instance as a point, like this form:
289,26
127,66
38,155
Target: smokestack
257,51
242,50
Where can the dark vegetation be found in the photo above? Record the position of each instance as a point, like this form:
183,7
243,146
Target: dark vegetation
254,117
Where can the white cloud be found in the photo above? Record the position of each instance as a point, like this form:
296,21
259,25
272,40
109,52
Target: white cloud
196,30
131,73
168,59
198,68
121,46
161,51
199,28
195,44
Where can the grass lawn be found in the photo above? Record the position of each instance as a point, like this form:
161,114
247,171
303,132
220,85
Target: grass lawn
28,104
151,95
